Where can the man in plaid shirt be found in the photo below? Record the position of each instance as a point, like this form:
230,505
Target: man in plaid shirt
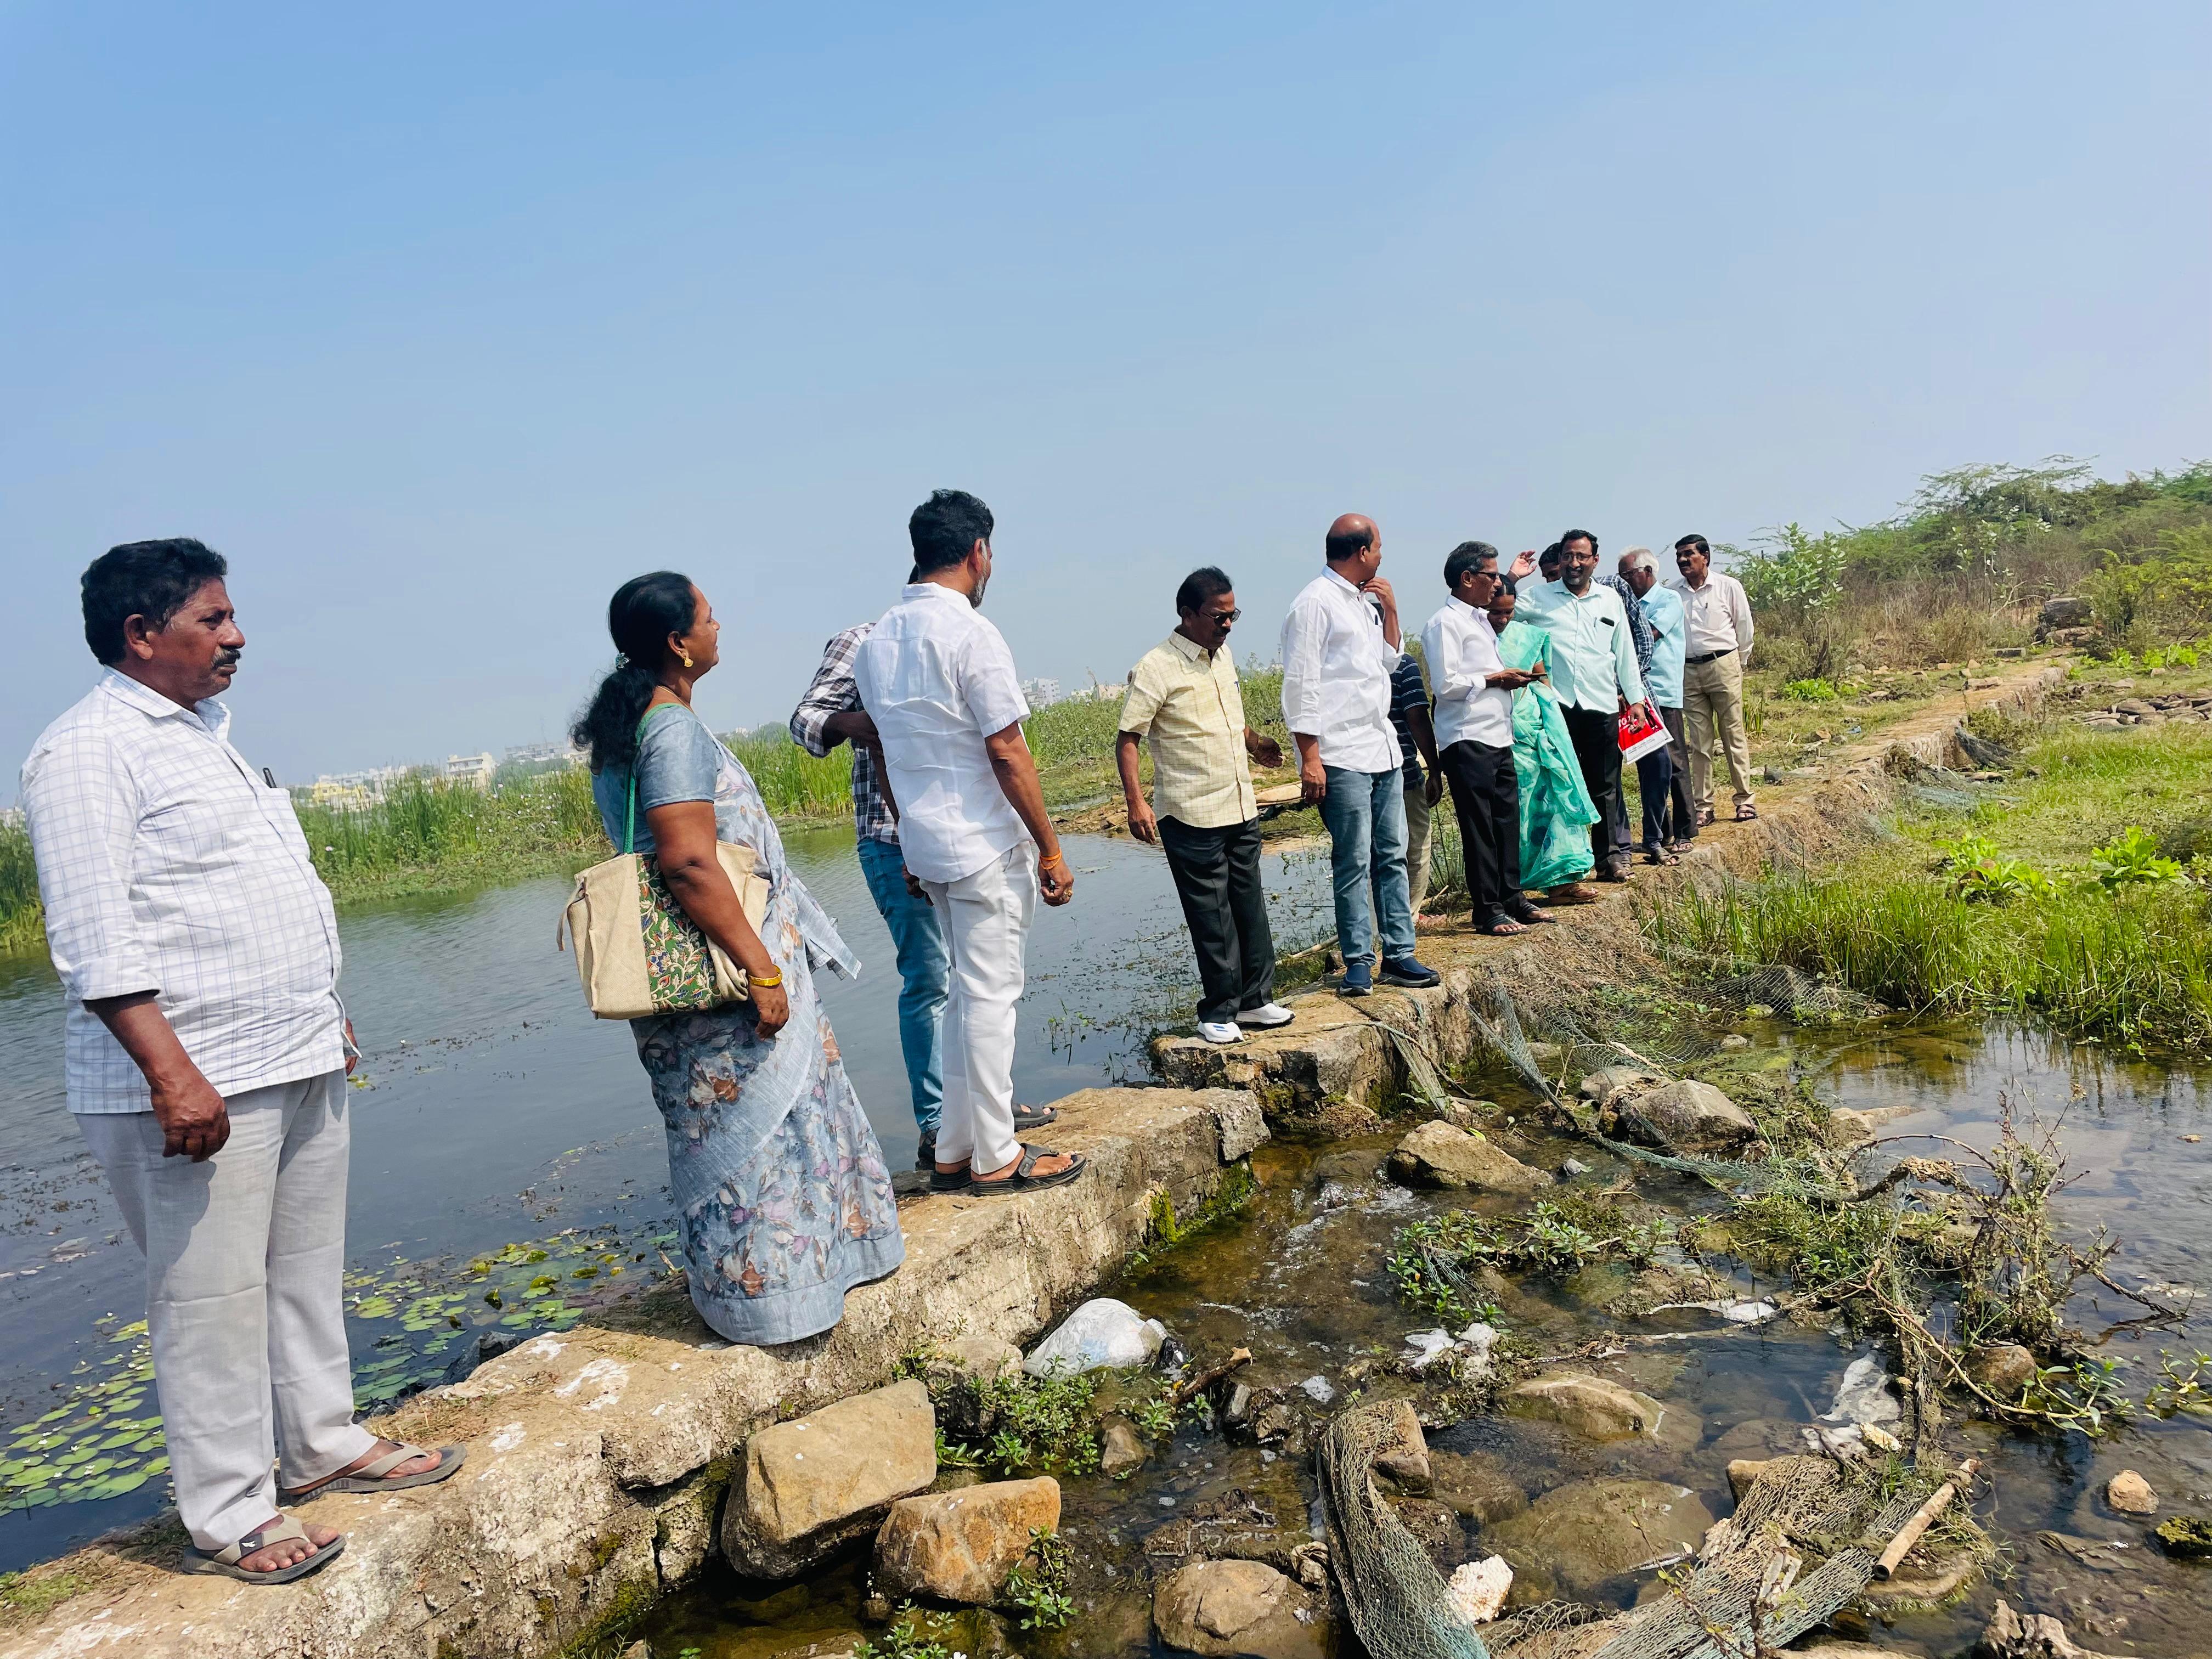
828,715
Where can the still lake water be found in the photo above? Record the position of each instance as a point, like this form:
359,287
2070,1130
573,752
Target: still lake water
497,1109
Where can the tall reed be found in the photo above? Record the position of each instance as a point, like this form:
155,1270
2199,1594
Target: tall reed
2132,968
22,924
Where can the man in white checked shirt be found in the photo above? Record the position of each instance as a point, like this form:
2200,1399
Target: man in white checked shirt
206,1058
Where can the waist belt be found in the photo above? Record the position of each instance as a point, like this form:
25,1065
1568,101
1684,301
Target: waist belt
1710,656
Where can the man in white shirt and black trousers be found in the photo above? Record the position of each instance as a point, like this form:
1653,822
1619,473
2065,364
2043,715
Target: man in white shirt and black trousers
1474,696
1338,654
206,1056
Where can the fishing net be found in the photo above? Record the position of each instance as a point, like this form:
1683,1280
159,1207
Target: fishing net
1750,1577
1392,1588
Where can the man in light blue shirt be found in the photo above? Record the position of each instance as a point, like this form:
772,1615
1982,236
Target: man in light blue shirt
1662,778
1594,673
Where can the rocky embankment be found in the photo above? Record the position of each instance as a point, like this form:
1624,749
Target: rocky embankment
607,1465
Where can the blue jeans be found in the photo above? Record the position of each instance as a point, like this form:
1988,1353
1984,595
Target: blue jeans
919,940
1365,812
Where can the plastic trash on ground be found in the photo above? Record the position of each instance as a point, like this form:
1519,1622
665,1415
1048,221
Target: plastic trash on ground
1101,1334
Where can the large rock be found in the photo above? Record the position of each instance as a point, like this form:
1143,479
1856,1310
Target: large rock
973,1359
809,1486
1476,1484
2131,1494
2004,1369
1438,1155
1601,1087
1593,1406
2010,1635
1239,1610
1686,1116
960,1546
1404,1457
2066,612
1580,1535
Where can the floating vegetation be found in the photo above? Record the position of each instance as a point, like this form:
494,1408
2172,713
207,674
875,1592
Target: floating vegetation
407,1320
102,1441
1433,1258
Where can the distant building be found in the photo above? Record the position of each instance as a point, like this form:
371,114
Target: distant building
475,771
1040,692
356,792
1094,692
542,756
11,818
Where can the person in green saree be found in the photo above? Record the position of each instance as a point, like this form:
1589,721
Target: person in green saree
1556,811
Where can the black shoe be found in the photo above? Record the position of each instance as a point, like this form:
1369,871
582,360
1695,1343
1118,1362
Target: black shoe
1417,975
925,1155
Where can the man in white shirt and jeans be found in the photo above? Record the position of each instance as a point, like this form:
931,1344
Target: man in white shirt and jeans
1474,694
1717,649
1338,655
206,1056
939,683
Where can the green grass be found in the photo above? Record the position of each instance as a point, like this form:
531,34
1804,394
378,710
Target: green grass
425,837
22,925
2131,966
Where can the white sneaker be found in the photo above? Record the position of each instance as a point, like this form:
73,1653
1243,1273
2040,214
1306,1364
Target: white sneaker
1219,1031
1267,1017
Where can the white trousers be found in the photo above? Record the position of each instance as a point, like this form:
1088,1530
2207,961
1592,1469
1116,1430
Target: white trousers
987,918
245,1297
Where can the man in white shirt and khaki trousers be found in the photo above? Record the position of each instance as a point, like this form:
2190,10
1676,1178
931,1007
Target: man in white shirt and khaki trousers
1717,649
939,683
206,1055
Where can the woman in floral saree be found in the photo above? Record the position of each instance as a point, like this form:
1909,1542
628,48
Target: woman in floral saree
780,1190
1556,811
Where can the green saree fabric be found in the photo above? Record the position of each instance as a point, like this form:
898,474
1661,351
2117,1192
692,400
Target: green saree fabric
1556,811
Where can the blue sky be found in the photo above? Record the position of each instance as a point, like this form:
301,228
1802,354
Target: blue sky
442,321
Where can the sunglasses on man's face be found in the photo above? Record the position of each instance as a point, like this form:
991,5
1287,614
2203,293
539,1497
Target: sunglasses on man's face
1223,617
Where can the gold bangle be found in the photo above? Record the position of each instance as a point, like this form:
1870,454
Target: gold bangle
766,981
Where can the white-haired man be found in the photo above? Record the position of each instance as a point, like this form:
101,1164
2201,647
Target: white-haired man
1662,779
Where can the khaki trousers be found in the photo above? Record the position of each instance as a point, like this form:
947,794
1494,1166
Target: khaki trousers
1417,844
245,1297
1712,705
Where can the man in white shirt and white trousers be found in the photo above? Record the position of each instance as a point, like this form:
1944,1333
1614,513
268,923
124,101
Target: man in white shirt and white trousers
206,1056
939,683
1338,654
1473,699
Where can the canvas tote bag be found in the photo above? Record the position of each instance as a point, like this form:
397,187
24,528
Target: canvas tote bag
637,953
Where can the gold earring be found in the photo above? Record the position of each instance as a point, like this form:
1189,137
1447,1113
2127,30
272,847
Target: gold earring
686,655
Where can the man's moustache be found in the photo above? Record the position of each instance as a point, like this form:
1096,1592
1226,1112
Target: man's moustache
228,658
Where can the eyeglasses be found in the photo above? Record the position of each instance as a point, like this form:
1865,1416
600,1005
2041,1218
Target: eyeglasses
1222,616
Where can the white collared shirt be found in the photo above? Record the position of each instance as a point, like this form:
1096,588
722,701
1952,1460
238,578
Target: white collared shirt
1718,615
1336,676
1462,647
166,863
936,679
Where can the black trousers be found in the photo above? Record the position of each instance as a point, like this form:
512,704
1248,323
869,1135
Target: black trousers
1487,799
1658,786
1217,877
1596,735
